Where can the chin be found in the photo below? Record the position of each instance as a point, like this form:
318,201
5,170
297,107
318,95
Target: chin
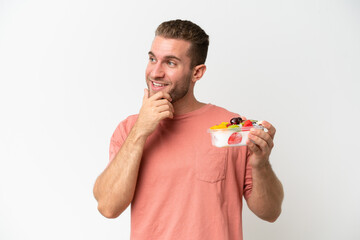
153,92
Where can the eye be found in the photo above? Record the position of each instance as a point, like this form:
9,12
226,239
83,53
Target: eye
152,59
171,63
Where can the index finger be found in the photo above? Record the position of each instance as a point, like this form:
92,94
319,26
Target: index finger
161,95
271,129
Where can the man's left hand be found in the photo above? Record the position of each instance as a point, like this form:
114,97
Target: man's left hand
260,144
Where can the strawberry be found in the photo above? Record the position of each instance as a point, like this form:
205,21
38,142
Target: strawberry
247,123
235,138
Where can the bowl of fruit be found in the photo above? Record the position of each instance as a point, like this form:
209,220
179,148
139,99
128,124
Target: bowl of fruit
233,133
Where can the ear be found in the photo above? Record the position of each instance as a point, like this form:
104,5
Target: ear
198,72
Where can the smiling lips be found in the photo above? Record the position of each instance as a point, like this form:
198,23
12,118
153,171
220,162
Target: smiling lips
156,86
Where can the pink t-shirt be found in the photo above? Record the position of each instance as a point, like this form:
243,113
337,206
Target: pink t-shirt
187,188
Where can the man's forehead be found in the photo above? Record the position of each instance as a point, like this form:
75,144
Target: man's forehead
169,46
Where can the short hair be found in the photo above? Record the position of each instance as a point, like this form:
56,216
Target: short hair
188,31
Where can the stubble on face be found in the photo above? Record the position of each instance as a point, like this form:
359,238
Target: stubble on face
181,90
176,92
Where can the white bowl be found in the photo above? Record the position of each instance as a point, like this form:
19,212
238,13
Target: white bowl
231,137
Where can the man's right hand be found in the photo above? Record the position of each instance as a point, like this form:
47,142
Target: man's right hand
153,110
114,189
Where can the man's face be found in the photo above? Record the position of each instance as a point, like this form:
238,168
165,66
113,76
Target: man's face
168,69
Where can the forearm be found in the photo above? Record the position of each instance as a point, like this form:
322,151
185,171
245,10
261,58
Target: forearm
267,193
114,189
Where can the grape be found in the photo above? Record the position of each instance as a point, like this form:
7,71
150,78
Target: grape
236,120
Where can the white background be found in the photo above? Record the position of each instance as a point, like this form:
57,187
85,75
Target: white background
71,70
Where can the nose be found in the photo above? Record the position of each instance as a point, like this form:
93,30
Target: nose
157,71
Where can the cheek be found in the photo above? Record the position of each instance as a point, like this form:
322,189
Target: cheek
147,70
175,74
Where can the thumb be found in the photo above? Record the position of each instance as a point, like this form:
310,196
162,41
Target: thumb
146,94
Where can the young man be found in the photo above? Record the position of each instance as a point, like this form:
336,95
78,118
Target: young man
162,160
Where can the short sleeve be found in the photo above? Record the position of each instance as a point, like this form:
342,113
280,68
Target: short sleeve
119,136
116,142
248,177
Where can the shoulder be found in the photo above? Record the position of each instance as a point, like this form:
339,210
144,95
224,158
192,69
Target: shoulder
129,121
222,112
124,127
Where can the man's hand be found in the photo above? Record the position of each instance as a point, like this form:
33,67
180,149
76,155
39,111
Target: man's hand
261,143
115,187
153,110
267,192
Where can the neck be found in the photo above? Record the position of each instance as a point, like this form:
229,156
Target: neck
187,104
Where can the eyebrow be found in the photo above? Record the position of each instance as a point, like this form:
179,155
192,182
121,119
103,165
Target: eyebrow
166,57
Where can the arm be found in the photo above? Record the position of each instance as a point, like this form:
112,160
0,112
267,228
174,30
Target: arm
114,189
267,192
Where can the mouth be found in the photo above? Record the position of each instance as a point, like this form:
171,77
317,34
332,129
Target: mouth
156,86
